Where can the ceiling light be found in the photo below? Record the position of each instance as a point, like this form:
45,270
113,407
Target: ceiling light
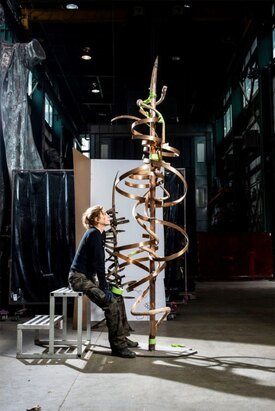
71,6
95,88
86,53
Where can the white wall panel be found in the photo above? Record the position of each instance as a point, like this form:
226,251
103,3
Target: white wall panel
103,173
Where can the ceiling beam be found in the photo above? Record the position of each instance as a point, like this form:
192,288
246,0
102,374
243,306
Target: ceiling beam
66,16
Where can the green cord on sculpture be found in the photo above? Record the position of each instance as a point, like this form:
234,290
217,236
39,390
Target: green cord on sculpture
149,99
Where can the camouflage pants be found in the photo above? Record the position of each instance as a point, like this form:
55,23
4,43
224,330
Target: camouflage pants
115,314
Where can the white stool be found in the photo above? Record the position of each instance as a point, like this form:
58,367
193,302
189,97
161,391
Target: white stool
49,322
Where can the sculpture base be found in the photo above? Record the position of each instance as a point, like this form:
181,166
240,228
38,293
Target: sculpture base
162,351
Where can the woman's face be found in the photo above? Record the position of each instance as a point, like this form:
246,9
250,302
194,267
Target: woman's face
104,218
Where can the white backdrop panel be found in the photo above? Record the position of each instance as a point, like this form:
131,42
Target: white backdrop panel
103,173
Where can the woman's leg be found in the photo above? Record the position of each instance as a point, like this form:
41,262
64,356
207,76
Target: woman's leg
114,318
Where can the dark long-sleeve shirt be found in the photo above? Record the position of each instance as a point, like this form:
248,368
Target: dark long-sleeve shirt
90,256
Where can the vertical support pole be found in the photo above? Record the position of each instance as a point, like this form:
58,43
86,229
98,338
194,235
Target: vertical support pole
152,333
152,205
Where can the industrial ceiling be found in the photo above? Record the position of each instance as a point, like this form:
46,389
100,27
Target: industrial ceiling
196,43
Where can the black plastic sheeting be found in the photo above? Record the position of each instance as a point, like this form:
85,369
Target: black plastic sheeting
43,233
173,239
179,273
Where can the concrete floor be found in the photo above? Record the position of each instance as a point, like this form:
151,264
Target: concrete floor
230,324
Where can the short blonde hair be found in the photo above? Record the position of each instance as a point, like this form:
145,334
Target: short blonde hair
90,215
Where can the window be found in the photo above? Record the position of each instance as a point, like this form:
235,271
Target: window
85,144
273,93
30,84
48,113
201,196
250,86
227,120
227,97
200,152
104,151
273,42
250,82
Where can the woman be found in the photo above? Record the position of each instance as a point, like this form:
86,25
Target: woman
87,274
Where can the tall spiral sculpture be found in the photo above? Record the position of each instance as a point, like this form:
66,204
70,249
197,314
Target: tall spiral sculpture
150,176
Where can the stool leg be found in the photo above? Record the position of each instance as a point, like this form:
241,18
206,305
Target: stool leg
19,341
51,329
64,312
89,320
36,337
79,324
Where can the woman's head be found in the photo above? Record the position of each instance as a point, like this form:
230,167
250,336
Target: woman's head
94,216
